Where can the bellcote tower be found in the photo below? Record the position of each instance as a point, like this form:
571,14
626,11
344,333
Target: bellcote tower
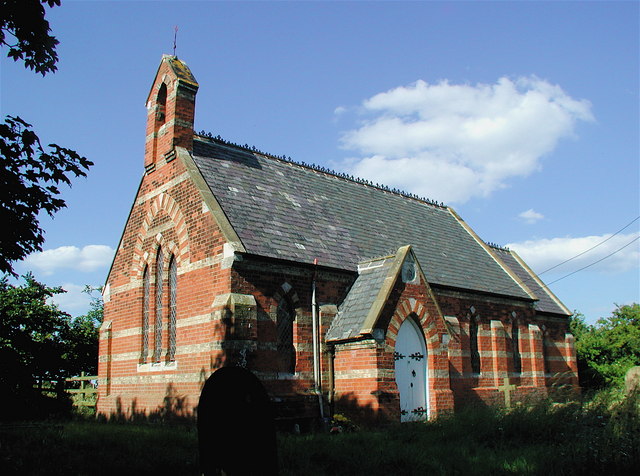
170,112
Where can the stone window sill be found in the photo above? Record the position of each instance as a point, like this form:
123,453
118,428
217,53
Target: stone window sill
157,366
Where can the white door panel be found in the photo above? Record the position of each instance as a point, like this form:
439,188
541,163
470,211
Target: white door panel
411,372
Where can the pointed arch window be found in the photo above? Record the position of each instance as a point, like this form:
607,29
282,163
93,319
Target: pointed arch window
161,106
284,323
474,354
157,347
160,119
515,347
146,297
171,327
546,343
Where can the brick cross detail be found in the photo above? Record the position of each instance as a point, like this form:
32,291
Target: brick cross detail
507,388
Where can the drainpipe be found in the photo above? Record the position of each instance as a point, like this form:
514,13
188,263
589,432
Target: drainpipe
332,384
317,378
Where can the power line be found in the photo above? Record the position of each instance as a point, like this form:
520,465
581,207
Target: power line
593,247
531,279
595,262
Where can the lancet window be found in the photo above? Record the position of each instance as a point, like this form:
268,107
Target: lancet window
474,354
146,297
161,106
171,328
515,346
284,324
157,348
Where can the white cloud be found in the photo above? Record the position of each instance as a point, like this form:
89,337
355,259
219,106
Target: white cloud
542,254
531,216
74,301
453,142
87,259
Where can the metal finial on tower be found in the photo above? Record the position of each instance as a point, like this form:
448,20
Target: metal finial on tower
175,37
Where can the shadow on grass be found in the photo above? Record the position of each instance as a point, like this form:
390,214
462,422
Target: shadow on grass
172,410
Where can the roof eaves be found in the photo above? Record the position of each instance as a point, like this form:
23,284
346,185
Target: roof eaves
385,290
124,229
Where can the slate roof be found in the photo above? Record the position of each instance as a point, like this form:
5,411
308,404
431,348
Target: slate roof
283,210
353,311
547,301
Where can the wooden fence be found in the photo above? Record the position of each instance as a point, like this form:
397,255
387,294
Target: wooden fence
85,396
83,389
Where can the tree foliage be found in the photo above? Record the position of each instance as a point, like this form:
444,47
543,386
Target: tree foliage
29,175
81,340
38,340
607,349
29,181
26,33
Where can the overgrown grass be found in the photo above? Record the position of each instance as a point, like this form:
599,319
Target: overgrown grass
593,438
92,448
601,436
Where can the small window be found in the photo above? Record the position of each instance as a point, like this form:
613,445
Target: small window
286,350
473,344
408,270
515,347
546,343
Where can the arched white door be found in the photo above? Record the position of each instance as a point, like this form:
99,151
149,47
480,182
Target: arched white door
411,372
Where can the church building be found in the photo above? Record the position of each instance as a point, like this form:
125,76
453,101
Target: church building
340,295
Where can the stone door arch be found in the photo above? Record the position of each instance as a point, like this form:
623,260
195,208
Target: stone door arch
411,372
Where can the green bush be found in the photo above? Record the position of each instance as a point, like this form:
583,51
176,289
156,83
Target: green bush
609,348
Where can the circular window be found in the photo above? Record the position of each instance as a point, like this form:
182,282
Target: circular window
408,271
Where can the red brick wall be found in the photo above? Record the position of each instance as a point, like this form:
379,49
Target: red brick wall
168,212
269,281
364,382
495,317
175,220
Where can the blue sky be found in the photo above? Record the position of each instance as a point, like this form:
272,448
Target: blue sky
523,116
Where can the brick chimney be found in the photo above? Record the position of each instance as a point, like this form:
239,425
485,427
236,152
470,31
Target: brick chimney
170,112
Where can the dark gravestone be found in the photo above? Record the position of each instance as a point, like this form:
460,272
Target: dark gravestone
236,431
